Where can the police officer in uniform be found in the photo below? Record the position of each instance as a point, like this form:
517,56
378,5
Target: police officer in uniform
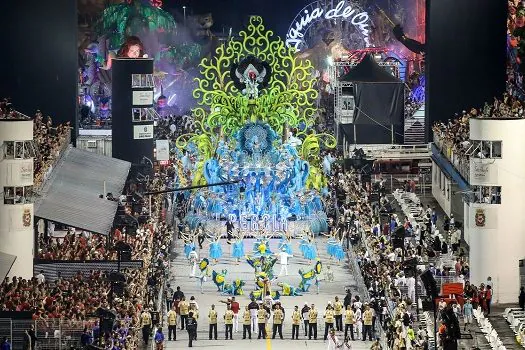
338,313
184,308
228,321
349,321
328,320
191,327
145,321
312,323
296,321
262,315
247,323
212,317
367,323
278,322
172,324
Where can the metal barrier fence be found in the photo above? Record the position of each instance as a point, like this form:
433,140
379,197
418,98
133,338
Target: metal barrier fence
69,269
52,334
460,161
361,285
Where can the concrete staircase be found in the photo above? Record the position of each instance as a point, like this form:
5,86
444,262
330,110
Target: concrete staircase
505,333
415,128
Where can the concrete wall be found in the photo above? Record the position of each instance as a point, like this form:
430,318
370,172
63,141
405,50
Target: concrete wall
442,189
16,220
495,231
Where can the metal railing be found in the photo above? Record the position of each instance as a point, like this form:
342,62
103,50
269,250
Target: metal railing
52,334
45,171
460,161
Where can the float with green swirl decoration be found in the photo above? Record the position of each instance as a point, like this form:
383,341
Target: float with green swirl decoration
256,122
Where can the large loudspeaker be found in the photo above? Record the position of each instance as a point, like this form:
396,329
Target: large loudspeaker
39,67
430,284
465,57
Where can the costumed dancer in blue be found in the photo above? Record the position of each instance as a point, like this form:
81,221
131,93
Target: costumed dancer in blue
304,242
334,246
285,243
215,248
238,248
189,241
309,250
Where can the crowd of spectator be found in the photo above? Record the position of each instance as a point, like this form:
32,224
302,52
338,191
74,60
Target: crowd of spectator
77,298
454,134
49,141
173,126
390,272
83,245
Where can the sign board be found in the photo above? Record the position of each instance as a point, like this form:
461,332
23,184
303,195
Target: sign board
347,108
143,132
319,11
143,98
483,173
484,217
163,150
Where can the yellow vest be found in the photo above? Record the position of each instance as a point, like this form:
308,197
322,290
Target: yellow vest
367,318
338,308
146,319
261,316
184,307
195,314
312,316
247,317
172,318
212,316
349,317
278,316
329,316
228,317
296,318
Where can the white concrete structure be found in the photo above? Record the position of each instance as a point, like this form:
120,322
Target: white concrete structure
95,140
495,216
16,186
442,186
446,192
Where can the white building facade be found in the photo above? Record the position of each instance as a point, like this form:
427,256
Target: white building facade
16,185
495,215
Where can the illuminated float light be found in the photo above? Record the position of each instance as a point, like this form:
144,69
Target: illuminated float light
351,13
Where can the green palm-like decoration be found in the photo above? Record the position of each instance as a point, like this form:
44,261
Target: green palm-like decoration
125,19
288,100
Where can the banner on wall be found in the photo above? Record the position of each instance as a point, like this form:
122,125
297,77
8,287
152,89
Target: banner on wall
163,149
143,132
142,98
19,173
21,217
26,172
483,173
485,218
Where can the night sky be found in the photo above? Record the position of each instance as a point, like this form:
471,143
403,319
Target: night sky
277,14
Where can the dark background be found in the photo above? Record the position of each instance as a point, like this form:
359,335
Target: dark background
466,55
39,57
124,146
466,50
277,15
